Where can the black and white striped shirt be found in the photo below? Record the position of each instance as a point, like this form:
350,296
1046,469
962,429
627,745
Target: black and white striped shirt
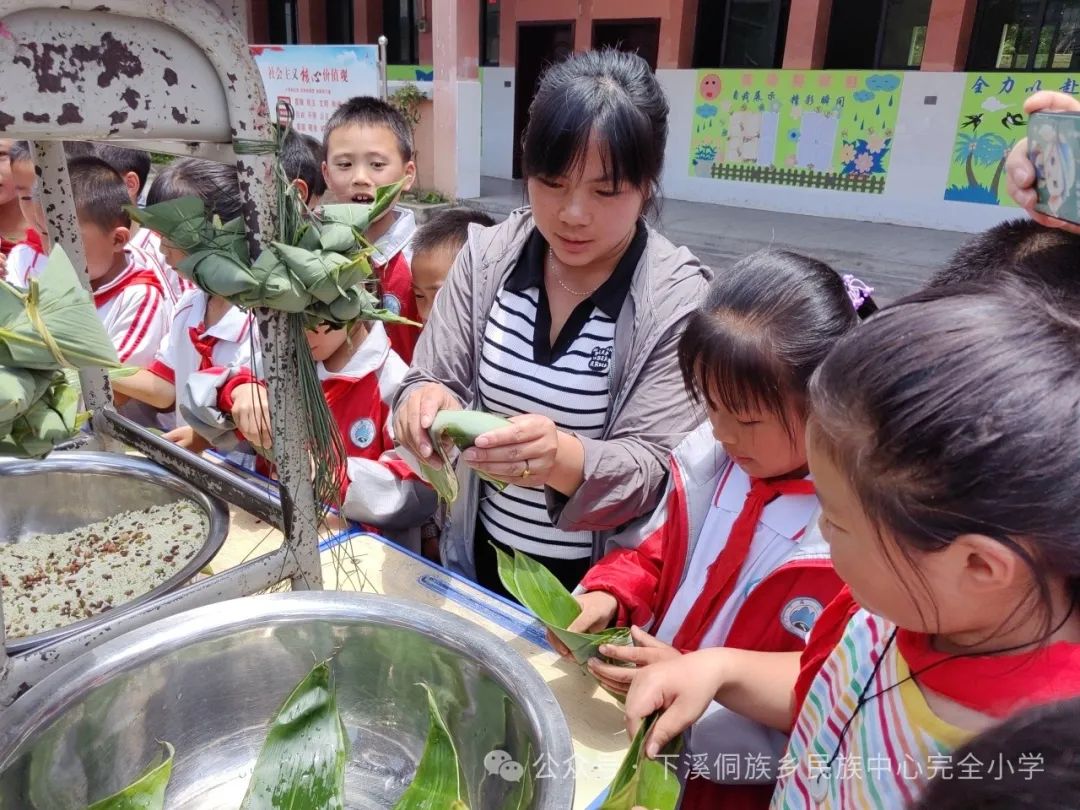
521,372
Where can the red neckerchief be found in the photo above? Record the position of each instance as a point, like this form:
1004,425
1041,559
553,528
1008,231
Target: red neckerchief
33,239
724,571
996,685
204,344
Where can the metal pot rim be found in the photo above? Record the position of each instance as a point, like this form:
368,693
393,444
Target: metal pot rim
217,514
56,693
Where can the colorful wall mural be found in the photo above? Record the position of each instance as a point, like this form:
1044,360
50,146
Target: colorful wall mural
991,121
824,129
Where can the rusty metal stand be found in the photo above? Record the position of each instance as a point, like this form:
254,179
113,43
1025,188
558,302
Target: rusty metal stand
177,73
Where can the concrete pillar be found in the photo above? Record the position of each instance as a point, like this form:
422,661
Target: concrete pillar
311,22
508,33
457,97
948,34
367,21
807,34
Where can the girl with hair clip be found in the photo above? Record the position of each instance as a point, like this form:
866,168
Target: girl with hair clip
731,557
942,441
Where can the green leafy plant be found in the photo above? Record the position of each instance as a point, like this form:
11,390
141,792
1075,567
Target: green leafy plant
302,763
644,782
459,428
407,100
538,589
148,791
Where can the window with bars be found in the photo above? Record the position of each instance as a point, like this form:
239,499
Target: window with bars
877,34
741,33
399,24
1025,35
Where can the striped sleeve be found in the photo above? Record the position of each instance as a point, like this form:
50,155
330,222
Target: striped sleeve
137,325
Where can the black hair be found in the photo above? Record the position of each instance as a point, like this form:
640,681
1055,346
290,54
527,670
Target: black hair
99,192
213,183
1038,756
449,228
1020,248
126,160
370,111
764,327
956,413
611,94
301,157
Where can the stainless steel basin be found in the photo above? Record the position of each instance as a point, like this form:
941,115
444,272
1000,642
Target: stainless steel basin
209,680
69,490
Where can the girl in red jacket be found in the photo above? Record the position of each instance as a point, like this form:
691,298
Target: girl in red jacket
732,556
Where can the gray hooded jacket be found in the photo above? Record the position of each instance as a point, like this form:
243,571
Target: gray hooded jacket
648,412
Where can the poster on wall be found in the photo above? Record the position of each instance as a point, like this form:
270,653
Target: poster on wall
824,129
316,79
991,122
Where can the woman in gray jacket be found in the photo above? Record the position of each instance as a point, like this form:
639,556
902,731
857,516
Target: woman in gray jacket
565,318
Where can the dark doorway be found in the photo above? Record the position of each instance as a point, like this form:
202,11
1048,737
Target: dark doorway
538,46
635,36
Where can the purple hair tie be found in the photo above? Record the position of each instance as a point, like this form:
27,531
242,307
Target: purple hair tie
858,291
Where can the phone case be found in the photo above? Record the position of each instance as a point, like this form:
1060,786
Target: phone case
1053,145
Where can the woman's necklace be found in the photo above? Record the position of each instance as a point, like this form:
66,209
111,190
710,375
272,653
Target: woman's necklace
559,281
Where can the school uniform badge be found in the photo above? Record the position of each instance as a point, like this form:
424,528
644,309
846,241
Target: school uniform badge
391,303
362,433
799,615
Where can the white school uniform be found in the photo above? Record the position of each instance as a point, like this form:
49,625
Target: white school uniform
135,312
148,242
777,534
178,359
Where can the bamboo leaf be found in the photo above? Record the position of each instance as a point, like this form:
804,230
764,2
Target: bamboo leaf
148,792
52,324
537,589
302,763
52,417
541,592
645,782
182,221
439,783
461,429
360,216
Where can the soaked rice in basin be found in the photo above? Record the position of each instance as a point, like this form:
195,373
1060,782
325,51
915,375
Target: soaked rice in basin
53,580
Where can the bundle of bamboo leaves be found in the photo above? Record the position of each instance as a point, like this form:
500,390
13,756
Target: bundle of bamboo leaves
318,265
316,268
44,330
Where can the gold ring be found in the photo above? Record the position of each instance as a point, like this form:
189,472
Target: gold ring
527,472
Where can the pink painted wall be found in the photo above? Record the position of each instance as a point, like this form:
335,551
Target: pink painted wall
676,17
807,34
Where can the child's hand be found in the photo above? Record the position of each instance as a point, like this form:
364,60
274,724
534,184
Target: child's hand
1021,172
187,438
682,688
598,609
647,650
251,414
413,420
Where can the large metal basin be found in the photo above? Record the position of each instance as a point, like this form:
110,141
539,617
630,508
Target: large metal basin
69,490
209,680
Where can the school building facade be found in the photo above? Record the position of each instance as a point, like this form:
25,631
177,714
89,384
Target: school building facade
883,110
